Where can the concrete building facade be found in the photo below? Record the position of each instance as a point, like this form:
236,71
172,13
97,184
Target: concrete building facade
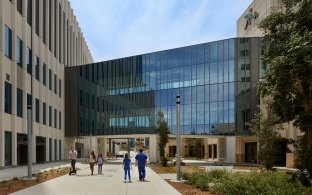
38,39
260,9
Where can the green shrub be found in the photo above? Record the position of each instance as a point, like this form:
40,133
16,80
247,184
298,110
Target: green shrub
224,182
259,183
216,175
202,181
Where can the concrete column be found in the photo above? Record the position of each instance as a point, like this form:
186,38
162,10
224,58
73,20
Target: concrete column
105,148
94,144
205,148
101,146
153,149
230,149
218,148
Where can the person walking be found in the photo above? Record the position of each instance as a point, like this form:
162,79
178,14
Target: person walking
126,166
92,160
73,159
99,161
141,159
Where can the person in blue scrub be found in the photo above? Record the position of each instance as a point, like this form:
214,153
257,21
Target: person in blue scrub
141,159
126,166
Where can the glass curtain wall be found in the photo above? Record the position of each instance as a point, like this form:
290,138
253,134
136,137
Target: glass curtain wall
215,81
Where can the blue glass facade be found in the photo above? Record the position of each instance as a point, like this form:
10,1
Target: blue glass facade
122,96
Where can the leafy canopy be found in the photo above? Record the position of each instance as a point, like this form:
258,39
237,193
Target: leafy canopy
287,51
163,131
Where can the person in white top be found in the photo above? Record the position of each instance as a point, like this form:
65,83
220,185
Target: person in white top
73,158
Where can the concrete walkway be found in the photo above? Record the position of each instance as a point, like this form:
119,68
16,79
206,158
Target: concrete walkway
110,182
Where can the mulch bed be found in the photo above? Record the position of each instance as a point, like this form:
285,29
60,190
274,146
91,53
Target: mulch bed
14,185
183,188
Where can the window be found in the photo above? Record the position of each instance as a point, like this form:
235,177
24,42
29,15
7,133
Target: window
50,116
55,149
28,60
37,110
50,79
19,102
37,17
245,66
8,98
50,149
50,24
29,100
19,51
44,113
8,42
29,12
60,120
244,53
19,6
60,149
8,148
37,68
55,118
44,74
55,84
44,22
93,99
80,98
60,88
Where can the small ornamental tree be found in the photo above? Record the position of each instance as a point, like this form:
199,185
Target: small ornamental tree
163,131
265,127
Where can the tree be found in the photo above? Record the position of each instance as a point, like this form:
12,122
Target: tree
265,127
287,51
163,131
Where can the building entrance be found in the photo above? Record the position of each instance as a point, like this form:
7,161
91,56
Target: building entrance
22,149
40,150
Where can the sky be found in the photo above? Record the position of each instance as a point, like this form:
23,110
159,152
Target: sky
121,28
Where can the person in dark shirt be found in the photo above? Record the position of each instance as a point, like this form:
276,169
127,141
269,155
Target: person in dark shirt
141,159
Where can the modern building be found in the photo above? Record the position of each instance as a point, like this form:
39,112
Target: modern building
38,39
120,99
259,10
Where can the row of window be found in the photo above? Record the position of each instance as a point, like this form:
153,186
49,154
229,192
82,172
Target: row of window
63,28
38,112
19,61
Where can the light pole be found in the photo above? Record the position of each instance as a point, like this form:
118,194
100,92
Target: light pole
29,141
178,136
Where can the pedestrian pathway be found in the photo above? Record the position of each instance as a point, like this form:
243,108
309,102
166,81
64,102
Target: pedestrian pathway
110,182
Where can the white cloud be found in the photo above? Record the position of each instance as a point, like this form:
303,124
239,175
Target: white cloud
121,28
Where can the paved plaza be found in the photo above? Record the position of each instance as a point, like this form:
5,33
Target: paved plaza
110,182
